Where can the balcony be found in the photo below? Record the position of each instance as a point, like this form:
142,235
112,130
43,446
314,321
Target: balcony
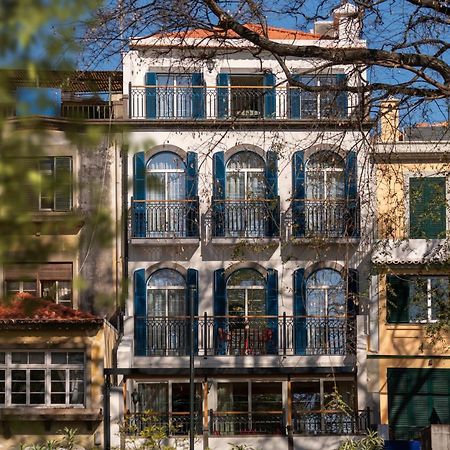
326,219
254,218
164,219
232,423
246,423
330,422
250,336
229,102
175,423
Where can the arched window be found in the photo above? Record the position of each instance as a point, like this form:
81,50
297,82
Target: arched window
245,176
165,175
245,207
166,294
166,192
325,293
167,310
325,179
246,329
246,293
326,323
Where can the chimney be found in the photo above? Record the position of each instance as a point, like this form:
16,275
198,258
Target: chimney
347,22
390,120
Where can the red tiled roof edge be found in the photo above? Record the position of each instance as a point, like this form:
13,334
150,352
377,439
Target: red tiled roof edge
26,309
270,31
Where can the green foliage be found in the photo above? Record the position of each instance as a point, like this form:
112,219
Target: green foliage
240,446
66,443
371,441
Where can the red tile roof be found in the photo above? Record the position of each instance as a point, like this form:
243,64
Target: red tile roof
268,31
24,308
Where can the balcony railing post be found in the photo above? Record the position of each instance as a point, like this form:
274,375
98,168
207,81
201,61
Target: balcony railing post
284,334
205,335
130,101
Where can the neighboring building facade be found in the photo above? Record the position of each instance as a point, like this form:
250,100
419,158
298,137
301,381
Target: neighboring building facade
68,253
408,370
244,208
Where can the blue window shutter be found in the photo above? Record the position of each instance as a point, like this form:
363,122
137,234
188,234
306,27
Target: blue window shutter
269,96
219,193
223,81
342,97
298,194
294,100
192,194
353,292
139,176
140,313
271,174
220,309
300,311
150,95
138,219
272,310
198,96
351,194
192,285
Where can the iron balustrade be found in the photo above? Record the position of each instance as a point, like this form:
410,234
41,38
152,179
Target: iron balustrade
227,102
164,218
174,423
246,218
87,110
330,422
250,335
246,423
332,218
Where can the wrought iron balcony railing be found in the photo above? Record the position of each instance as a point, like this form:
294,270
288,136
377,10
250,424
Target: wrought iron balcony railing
246,218
330,422
332,218
164,218
174,423
249,335
229,102
246,423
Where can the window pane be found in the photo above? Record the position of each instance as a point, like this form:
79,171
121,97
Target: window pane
76,387
232,397
18,387
19,357
306,395
180,397
59,357
418,301
12,287
58,387
2,357
153,397
36,357
48,290
2,386
76,357
37,387
266,397
439,296
236,302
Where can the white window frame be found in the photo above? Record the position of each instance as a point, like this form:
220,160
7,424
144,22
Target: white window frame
47,366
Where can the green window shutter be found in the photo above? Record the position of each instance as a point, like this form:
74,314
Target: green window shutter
416,399
397,298
63,183
427,208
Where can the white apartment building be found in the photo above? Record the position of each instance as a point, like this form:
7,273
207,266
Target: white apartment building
245,208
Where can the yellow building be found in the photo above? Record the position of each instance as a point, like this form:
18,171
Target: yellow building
51,372
409,357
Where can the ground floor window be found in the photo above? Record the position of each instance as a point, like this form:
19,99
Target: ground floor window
42,378
417,398
324,405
